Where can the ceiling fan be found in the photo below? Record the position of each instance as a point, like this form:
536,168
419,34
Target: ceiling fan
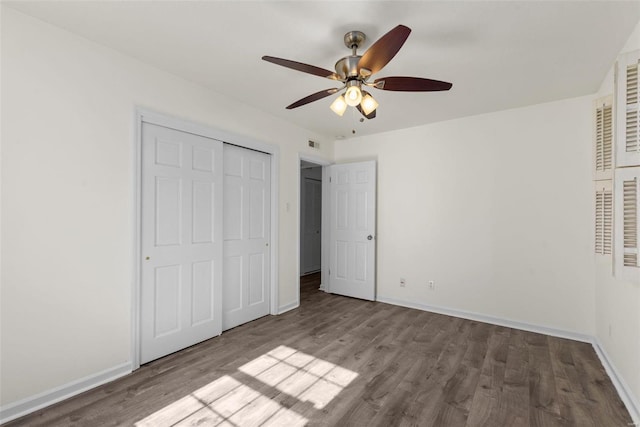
355,70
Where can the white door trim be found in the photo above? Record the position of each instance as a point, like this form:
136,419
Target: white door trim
324,232
148,116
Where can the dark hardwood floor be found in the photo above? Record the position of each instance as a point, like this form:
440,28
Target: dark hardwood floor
338,361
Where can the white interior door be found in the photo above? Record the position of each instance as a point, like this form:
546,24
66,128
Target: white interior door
352,234
247,225
312,223
181,241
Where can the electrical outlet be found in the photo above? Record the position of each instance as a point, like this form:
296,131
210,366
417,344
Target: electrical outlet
402,282
432,285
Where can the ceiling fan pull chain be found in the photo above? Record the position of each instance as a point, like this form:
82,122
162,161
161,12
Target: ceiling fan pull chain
353,121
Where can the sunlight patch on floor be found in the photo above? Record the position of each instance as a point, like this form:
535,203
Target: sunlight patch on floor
300,375
228,402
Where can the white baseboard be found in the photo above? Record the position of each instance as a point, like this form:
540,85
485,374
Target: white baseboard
323,287
287,307
625,392
627,396
576,336
31,404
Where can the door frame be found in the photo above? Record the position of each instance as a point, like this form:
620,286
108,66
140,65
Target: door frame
324,234
148,116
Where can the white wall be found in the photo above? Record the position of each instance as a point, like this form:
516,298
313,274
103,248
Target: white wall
67,189
618,302
496,208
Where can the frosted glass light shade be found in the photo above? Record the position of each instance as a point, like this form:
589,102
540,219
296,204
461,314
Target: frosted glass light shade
368,104
353,96
339,106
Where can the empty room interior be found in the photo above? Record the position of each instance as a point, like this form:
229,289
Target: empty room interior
276,213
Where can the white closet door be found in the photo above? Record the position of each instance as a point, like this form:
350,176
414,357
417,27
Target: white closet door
181,302
312,218
352,234
247,220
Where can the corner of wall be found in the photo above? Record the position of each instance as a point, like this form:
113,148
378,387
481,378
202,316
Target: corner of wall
626,393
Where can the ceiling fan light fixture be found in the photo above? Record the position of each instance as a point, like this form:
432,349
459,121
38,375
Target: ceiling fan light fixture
354,71
339,106
368,104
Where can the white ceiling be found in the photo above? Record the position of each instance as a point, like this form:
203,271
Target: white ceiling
498,55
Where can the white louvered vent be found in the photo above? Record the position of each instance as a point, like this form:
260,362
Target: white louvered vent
603,147
630,222
604,220
631,142
627,227
632,83
628,110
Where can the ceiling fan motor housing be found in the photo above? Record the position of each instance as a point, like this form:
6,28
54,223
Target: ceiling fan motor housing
348,66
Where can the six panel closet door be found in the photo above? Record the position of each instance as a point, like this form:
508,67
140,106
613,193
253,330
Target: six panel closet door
205,230
181,241
247,230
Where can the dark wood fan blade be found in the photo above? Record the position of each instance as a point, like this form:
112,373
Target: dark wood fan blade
305,68
411,84
384,49
371,115
313,97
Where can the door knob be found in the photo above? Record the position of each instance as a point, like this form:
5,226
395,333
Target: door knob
369,237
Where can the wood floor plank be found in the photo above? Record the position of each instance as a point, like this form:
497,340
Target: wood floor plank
543,403
346,362
488,407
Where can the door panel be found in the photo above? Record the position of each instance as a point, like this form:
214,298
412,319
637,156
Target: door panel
233,207
167,300
181,279
256,279
352,218
247,186
257,211
202,309
202,211
167,212
361,262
